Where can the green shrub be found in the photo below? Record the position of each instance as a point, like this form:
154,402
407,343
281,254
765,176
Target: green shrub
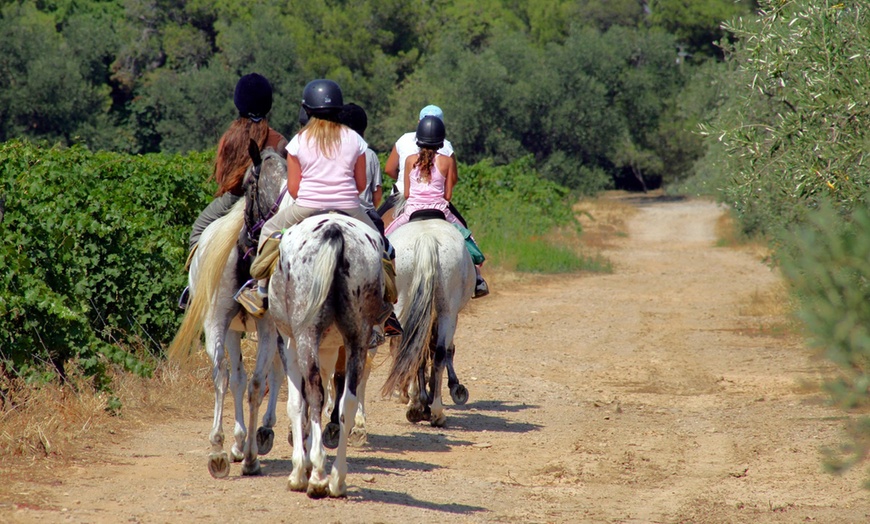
828,264
510,209
795,124
93,246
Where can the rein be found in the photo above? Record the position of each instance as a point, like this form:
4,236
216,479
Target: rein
253,231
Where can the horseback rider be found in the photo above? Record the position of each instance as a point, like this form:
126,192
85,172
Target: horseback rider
253,100
395,167
429,179
326,170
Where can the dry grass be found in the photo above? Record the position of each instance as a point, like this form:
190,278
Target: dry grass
60,422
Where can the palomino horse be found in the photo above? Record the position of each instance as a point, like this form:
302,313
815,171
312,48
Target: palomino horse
435,278
217,269
328,275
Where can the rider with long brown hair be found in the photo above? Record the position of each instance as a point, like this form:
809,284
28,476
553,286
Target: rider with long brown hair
253,99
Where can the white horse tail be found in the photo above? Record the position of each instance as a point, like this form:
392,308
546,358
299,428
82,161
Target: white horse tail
329,251
417,317
219,240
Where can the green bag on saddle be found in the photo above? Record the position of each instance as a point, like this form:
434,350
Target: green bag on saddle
476,253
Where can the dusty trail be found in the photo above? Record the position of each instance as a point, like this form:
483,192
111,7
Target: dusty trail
662,392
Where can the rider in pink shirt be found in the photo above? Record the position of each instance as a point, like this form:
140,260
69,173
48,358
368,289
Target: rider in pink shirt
326,169
429,178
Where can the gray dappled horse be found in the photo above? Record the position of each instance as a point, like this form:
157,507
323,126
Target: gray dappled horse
435,278
219,266
328,281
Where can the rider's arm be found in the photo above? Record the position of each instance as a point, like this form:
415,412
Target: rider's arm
294,176
359,173
452,179
377,195
409,166
392,166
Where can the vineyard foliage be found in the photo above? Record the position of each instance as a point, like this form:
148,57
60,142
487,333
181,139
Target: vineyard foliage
93,250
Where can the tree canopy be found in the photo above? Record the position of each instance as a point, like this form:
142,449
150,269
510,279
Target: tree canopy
589,89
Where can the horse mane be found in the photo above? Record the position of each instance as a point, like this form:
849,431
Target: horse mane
219,239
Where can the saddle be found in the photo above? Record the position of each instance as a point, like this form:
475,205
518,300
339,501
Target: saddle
427,214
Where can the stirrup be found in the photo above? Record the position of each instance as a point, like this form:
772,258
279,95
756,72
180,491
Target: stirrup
392,328
184,299
481,289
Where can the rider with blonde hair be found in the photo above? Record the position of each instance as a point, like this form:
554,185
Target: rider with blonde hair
326,170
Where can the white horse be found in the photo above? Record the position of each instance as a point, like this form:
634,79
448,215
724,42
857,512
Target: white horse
435,278
328,276
216,272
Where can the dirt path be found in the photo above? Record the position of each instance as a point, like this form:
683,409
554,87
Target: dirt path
662,392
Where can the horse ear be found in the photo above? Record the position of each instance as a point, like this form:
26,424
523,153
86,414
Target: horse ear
254,151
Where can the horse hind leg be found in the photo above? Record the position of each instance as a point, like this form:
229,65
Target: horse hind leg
265,433
355,370
218,460
437,416
418,404
359,433
331,433
458,392
238,386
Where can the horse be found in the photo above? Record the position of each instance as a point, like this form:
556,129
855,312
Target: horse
435,278
218,267
328,277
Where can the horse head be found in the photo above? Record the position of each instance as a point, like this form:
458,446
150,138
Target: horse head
264,187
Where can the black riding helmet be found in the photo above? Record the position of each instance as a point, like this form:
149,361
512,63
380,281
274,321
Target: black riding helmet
253,96
322,96
431,132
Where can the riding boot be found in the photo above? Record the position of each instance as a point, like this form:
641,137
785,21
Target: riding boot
254,297
267,257
481,289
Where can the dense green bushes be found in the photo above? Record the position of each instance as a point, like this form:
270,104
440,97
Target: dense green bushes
93,246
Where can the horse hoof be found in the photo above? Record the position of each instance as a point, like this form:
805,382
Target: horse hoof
219,465
414,415
236,454
438,422
317,490
331,435
459,394
265,439
252,468
358,437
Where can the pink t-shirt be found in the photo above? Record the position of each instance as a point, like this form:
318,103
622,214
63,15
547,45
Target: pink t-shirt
328,182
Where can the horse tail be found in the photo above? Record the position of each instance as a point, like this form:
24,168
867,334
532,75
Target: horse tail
211,262
329,251
417,317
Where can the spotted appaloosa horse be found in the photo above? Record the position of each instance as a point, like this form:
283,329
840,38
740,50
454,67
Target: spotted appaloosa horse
435,278
217,269
328,275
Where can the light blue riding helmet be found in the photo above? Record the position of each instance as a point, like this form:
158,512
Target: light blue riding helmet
431,110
